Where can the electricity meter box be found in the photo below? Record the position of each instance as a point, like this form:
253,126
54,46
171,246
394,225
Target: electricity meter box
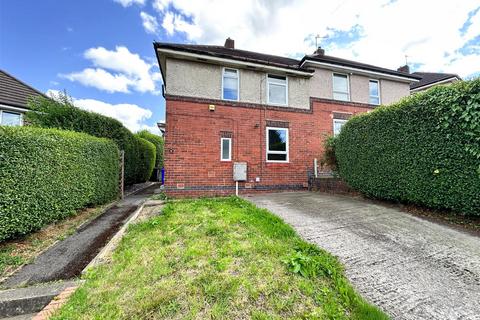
240,171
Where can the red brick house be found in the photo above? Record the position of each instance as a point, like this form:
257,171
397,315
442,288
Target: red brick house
225,105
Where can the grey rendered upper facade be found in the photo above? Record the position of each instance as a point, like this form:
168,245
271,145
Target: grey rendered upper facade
195,72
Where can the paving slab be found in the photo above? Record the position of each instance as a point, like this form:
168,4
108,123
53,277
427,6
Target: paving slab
67,258
20,301
409,267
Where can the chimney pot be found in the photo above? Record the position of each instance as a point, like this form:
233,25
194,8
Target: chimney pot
230,43
319,51
405,69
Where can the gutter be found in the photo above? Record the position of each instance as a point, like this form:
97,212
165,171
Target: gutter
7,107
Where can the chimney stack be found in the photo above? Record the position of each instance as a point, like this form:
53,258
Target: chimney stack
404,69
230,43
319,51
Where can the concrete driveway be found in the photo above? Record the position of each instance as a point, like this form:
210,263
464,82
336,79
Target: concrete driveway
409,267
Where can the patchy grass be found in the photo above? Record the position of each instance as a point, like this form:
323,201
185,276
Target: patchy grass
217,259
15,253
159,196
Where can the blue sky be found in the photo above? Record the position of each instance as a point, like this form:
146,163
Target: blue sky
42,40
101,51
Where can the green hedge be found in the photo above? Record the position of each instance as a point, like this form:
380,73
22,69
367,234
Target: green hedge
47,174
158,142
60,113
145,158
423,150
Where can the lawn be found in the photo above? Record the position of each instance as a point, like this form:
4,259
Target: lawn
217,259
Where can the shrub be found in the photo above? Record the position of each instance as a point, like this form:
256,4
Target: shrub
158,142
60,113
329,158
47,174
145,158
423,150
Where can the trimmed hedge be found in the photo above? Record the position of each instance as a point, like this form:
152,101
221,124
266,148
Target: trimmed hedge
423,150
158,142
47,174
60,113
145,158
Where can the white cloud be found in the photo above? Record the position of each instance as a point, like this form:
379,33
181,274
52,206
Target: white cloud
161,5
131,115
176,23
100,79
127,3
427,31
129,71
149,23
153,129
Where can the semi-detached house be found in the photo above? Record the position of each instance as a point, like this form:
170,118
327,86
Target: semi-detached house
225,106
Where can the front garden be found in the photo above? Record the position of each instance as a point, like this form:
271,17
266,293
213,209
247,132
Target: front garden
217,258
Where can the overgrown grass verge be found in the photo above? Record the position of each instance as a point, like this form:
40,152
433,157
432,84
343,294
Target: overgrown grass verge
217,259
16,253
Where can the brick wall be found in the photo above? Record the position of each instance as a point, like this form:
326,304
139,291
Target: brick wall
192,144
330,185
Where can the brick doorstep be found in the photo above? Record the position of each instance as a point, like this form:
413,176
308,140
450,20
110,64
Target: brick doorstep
55,304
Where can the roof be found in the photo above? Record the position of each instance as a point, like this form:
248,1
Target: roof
14,92
277,61
357,65
235,54
430,78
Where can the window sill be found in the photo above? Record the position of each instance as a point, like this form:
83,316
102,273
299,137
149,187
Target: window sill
277,162
277,104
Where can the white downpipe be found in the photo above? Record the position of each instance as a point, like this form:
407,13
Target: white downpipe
236,188
315,167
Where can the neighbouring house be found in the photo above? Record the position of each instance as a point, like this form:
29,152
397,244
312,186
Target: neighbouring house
225,105
14,96
430,79
161,126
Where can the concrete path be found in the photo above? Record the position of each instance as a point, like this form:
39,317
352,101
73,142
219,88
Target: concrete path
409,267
67,258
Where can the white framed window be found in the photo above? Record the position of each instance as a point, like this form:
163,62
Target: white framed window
10,118
337,126
341,87
226,149
374,91
277,89
277,144
230,84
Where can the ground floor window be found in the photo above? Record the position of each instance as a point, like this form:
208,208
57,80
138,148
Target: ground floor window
8,118
226,149
277,144
337,125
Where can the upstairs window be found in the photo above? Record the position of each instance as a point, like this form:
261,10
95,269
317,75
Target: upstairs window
277,90
277,144
10,118
226,149
341,89
374,89
230,84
